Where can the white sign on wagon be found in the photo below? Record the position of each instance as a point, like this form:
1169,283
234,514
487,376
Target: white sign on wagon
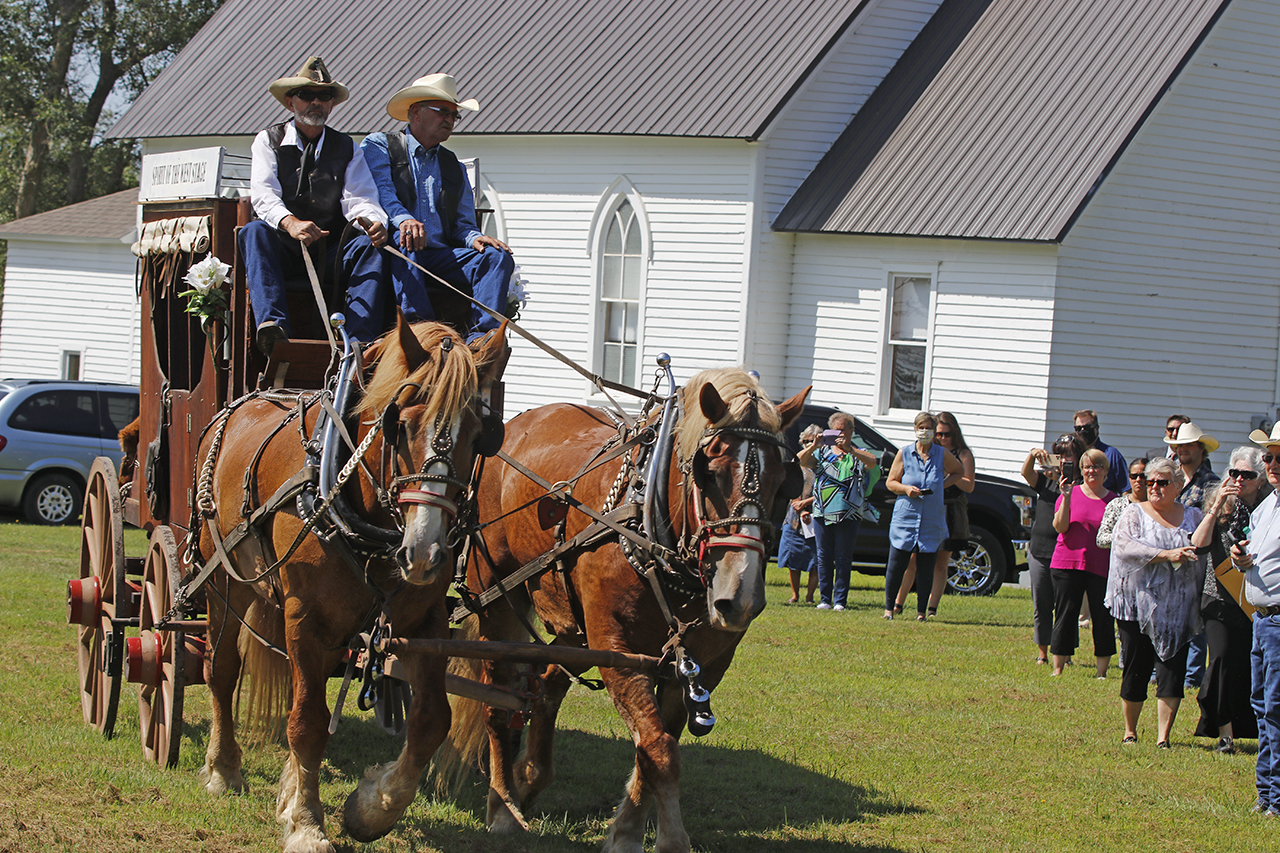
181,174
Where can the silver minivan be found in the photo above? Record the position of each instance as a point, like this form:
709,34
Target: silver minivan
50,433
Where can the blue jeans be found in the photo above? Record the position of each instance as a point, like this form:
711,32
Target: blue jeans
1196,657
834,543
485,275
897,567
273,263
1265,660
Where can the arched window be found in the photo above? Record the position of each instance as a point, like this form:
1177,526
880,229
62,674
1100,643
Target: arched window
621,284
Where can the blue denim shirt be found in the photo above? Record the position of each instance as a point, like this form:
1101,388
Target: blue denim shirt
424,165
920,523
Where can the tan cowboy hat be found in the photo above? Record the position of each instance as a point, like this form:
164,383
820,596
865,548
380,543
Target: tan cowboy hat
433,87
1189,433
1261,438
311,74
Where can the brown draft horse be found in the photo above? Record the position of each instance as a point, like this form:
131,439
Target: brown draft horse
600,601
424,390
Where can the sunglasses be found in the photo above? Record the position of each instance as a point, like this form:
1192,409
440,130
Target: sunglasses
453,114
1159,484
324,95
1242,475
1268,458
942,434
1138,476
1083,427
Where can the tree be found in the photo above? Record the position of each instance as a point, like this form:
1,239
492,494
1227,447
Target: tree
61,61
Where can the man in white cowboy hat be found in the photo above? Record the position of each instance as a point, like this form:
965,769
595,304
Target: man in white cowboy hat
431,207
1259,558
307,182
1193,447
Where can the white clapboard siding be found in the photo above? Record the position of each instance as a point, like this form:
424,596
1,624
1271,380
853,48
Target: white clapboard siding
792,146
991,339
1168,297
62,295
695,199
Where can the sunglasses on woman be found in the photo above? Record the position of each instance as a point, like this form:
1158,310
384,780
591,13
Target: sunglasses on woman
1154,483
1236,474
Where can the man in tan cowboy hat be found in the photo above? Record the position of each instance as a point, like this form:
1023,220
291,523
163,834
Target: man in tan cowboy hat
1259,558
307,182
1193,447
431,206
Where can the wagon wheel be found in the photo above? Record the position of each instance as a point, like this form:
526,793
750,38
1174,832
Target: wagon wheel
160,705
100,645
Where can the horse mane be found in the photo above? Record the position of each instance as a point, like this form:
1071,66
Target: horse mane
741,392
446,381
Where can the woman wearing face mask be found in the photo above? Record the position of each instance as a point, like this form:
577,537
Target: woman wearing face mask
1225,712
920,473
1043,475
1079,566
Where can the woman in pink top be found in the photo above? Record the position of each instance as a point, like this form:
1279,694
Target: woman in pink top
1079,566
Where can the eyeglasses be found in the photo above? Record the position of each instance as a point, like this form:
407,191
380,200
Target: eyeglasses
1242,475
1138,476
1158,484
1092,468
453,114
324,95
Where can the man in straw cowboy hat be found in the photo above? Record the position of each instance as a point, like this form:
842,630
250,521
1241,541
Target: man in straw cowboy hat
431,206
1259,558
307,182
1193,447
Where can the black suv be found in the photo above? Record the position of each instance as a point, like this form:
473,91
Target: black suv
999,515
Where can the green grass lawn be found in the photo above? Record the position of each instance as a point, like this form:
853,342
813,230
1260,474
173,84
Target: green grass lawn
836,731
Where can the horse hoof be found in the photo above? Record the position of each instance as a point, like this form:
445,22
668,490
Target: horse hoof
216,783
358,826
309,840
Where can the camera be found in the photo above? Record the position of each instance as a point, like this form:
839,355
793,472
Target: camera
830,437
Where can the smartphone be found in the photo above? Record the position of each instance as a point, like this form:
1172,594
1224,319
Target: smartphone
924,492
830,436
1052,460
1069,471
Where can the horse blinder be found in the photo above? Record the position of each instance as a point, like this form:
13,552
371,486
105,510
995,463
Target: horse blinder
492,433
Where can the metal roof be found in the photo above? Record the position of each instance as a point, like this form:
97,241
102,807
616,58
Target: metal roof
108,217
1000,119
703,68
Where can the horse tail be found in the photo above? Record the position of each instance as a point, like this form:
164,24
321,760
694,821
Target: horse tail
262,703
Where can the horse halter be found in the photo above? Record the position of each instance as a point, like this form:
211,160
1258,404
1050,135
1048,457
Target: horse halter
709,532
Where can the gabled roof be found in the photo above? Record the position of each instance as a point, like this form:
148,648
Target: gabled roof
702,68
1000,119
108,217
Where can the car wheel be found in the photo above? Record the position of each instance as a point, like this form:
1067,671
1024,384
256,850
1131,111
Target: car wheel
52,499
978,569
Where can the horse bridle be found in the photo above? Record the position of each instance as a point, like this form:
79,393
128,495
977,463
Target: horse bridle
442,447
708,533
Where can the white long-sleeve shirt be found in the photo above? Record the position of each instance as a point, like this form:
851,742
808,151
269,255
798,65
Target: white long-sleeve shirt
359,192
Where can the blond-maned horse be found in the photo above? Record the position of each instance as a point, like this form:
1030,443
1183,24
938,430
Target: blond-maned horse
727,464
422,397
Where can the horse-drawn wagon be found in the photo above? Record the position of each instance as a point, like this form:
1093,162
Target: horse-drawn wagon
308,512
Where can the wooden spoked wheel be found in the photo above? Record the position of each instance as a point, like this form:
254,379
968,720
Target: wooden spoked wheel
100,645
160,702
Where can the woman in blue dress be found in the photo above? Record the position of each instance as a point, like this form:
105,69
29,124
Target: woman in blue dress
920,472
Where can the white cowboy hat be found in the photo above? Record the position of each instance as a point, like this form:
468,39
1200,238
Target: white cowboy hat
433,87
1189,433
312,74
1261,438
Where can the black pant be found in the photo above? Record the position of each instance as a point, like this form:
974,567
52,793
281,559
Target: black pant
897,567
1070,586
1228,680
1140,659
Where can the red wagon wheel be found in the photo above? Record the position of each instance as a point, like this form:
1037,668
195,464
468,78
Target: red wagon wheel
101,595
160,655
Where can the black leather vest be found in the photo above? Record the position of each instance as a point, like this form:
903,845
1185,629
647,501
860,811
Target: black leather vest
451,184
321,203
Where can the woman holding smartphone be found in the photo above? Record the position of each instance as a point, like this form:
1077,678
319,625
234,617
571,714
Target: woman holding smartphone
839,495
920,473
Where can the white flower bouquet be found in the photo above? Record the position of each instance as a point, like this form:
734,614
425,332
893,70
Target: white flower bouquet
206,298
